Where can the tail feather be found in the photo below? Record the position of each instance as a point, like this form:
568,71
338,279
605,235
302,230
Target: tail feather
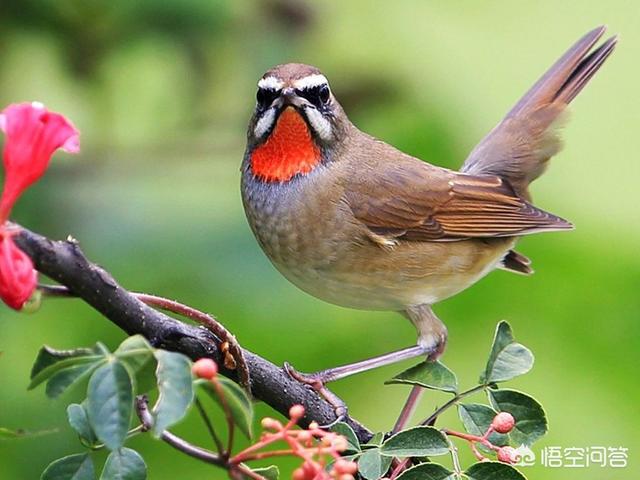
585,71
519,147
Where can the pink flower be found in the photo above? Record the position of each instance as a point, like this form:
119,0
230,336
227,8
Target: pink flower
17,277
32,135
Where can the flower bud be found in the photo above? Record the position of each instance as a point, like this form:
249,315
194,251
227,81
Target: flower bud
503,422
33,303
296,412
298,474
345,466
508,455
270,424
205,368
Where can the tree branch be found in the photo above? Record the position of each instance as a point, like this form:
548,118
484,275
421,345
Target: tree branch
64,262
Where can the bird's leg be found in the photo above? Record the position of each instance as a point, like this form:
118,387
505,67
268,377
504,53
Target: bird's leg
432,333
318,380
431,342
337,373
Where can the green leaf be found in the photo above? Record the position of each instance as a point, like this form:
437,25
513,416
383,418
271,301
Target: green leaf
372,465
416,442
477,418
270,473
507,359
145,377
73,467
50,361
433,375
493,471
135,352
124,464
341,428
236,400
377,439
79,421
175,384
63,379
426,471
531,420
110,403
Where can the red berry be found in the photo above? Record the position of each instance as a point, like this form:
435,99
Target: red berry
503,422
508,455
205,368
298,474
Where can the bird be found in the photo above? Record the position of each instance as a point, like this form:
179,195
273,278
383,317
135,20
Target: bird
356,222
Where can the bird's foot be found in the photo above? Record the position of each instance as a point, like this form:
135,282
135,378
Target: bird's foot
317,382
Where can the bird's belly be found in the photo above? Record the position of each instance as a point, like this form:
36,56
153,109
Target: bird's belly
370,278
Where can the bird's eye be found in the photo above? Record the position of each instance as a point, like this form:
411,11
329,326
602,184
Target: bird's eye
324,93
265,96
318,95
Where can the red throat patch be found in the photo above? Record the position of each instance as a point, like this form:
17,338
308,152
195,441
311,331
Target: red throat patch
288,151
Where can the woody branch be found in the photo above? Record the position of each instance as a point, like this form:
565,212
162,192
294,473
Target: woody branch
64,262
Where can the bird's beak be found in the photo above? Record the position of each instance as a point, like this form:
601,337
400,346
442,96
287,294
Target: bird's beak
290,97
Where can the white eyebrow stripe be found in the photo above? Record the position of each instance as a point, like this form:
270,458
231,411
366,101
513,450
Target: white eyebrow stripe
311,81
270,83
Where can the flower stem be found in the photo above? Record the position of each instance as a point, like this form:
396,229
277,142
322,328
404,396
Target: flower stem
430,420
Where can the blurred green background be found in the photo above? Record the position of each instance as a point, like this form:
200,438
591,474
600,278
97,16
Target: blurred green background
162,91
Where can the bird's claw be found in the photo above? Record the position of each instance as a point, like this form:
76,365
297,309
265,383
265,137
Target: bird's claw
315,382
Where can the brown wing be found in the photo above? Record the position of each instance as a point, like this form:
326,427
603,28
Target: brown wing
414,201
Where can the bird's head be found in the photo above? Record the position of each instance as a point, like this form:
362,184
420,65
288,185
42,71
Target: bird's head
296,119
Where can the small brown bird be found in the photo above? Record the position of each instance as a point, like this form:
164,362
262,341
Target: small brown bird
356,222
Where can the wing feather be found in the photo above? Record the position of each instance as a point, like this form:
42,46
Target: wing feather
418,202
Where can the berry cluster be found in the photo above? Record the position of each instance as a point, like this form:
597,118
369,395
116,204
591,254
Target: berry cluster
316,447
503,422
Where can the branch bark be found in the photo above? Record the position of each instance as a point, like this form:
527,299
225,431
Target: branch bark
64,262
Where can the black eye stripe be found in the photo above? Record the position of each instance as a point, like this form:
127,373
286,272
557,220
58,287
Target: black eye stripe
318,94
264,96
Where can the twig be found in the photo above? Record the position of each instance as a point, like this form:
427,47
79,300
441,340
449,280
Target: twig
231,425
230,346
454,457
142,409
234,358
408,408
209,425
64,262
430,420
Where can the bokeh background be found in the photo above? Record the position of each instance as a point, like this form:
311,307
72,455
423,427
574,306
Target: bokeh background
162,91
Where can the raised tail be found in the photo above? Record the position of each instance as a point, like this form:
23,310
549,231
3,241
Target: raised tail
519,147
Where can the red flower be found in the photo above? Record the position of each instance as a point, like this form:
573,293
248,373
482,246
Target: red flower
33,134
18,279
